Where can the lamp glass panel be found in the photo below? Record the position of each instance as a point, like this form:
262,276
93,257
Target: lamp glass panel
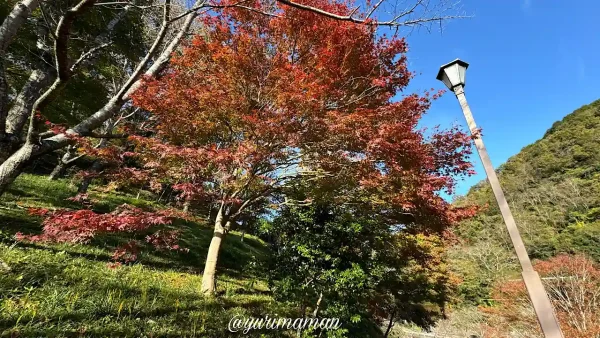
453,75
446,81
461,73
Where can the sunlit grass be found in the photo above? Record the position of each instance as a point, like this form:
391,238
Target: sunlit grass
66,290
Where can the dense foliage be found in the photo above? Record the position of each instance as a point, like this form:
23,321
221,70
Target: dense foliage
573,284
336,262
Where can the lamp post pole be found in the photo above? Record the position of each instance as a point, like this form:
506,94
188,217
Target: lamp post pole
537,294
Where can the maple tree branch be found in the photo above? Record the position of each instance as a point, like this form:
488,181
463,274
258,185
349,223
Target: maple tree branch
194,8
239,4
374,8
126,3
294,202
67,162
124,117
249,202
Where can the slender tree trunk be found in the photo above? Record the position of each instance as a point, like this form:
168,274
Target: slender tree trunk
23,103
210,267
318,304
15,19
8,31
3,98
64,162
390,324
58,171
13,166
85,184
243,234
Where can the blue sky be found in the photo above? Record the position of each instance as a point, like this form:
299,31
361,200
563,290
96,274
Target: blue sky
531,63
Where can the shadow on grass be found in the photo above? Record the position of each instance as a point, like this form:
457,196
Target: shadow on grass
47,277
36,191
177,318
236,258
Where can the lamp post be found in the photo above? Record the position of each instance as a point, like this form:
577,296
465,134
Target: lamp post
453,76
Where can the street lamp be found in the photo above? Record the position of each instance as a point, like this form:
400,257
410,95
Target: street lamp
453,76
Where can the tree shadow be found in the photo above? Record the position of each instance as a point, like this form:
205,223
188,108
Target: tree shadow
237,259
91,324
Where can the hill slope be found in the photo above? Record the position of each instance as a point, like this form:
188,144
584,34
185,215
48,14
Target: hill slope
69,290
553,188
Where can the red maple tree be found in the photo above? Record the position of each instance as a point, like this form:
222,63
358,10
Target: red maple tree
258,102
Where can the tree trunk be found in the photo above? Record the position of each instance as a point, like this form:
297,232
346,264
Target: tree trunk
210,267
243,234
390,324
303,309
64,162
13,166
85,184
58,171
318,304
23,103
8,31
3,98
14,21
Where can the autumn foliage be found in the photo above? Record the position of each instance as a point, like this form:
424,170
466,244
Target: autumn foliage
257,103
81,226
573,284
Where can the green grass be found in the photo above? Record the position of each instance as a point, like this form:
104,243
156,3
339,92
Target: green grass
68,290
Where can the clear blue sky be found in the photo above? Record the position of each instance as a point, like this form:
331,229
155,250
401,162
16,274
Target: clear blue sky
531,63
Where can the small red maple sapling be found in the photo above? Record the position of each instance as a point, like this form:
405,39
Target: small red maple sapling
80,226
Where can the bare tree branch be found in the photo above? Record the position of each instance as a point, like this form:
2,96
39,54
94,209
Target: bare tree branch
87,55
63,31
394,22
106,136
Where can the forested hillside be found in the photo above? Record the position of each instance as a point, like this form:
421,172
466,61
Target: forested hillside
553,188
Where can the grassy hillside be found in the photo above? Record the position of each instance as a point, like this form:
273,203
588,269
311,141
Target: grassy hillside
70,290
553,188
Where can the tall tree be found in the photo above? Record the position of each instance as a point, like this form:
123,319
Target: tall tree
262,101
